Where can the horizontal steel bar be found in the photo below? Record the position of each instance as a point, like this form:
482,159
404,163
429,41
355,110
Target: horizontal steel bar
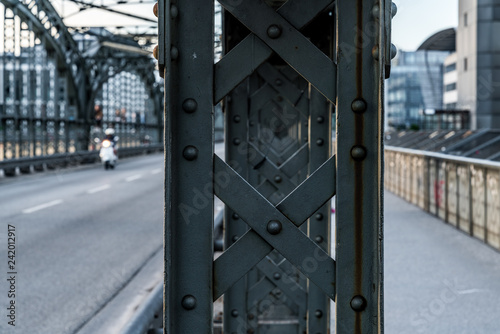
74,157
445,157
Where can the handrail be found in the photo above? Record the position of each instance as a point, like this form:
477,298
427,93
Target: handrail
446,157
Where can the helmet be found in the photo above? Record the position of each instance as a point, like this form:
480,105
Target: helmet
109,132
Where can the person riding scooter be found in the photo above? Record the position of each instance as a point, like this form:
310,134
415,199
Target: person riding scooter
108,149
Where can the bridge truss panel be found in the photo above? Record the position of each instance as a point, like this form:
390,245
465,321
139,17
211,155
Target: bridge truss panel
282,73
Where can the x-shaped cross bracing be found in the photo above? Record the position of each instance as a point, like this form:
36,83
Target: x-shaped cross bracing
282,37
274,228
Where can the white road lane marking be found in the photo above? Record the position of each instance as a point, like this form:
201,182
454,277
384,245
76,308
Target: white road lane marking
156,171
98,189
133,178
43,206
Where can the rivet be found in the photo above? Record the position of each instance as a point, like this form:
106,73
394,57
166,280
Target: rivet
189,105
278,82
236,216
358,153
394,51
174,11
320,142
320,119
358,303
376,52
273,31
277,179
318,313
394,9
277,276
319,216
234,313
155,9
155,52
190,153
236,141
358,105
251,316
274,227
237,118
189,302
174,53
319,239
235,238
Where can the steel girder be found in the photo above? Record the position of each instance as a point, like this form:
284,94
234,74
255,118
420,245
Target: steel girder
285,66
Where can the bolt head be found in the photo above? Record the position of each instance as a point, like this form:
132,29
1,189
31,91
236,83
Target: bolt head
274,31
155,52
236,216
234,313
236,141
237,118
319,216
319,239
235,238
277,179
189,105
174,53
394,9
358,105
320,119
189,302
320,142
155,9
274,227
190,153
318,313
358,153
394,51
174,11
278,82
277,276
358,303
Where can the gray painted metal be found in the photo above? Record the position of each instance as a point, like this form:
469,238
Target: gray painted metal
276,274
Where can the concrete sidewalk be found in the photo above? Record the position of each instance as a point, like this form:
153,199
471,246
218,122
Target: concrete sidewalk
437,279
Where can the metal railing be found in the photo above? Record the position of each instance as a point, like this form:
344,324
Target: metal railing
464,192
63,159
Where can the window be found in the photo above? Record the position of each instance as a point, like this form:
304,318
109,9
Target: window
450,68
450,87
466,23
465,64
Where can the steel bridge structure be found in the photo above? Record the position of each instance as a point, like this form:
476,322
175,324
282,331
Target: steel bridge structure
60,88
288,71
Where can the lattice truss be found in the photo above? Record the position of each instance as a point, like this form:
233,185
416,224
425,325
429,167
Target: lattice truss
277,173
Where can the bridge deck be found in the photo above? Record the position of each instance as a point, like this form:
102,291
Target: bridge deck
437,279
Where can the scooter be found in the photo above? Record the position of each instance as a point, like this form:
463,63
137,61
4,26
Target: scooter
108,154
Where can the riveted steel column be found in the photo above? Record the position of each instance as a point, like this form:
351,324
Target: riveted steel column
360,62
320,132
236,141
187,56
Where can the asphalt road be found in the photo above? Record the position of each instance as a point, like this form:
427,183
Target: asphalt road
81,235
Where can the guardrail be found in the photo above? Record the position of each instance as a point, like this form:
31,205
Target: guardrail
64,159
463,192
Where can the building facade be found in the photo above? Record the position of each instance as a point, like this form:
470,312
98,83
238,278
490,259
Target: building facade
478,61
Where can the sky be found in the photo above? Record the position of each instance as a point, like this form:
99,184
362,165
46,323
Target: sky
415,22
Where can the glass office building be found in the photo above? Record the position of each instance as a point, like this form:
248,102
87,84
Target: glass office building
415,88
